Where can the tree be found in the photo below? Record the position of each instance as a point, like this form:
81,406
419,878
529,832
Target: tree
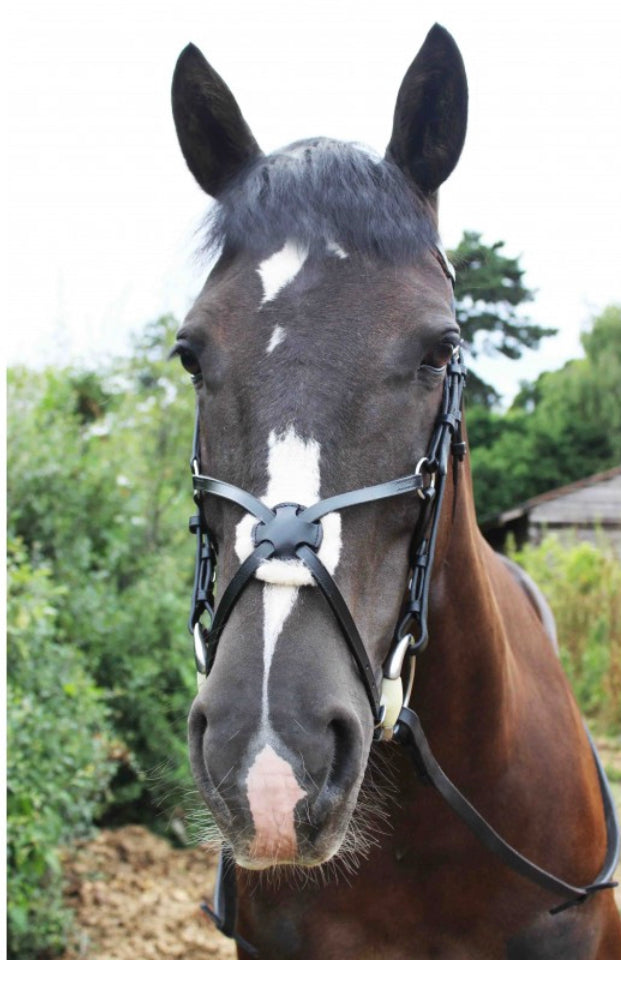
489,293
563,427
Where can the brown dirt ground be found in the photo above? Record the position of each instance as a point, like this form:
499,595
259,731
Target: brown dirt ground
136,897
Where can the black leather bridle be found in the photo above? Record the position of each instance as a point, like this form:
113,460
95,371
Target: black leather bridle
292,531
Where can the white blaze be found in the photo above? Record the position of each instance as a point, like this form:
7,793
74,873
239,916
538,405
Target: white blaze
276,338
293,476
281,268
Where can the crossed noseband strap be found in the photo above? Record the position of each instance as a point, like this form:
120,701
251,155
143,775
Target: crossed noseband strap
293,531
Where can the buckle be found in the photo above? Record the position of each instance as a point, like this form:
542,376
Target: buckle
430,490
394,693
200,654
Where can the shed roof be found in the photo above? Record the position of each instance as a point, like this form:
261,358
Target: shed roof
592,500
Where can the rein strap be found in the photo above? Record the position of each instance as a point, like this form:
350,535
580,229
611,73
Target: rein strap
409,732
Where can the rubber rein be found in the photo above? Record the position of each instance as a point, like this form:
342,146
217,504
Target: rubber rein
293,532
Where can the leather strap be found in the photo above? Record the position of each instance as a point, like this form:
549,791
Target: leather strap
372,493
213,486
224,911
408,732
333,597
344,618
253,505
231,594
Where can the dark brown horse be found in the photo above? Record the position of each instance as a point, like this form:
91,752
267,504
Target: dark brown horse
325,356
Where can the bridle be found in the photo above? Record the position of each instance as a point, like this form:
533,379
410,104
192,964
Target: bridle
293,531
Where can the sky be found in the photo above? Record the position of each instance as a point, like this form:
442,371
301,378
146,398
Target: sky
102,212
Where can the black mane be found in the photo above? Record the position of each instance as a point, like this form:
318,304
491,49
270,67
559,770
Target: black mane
321,190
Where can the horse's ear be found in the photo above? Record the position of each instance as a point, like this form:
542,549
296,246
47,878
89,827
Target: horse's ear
214,138
431,113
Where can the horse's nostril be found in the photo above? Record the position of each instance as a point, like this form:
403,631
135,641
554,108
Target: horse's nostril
197,724
343,765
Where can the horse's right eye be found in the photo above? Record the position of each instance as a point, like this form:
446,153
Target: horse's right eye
189,361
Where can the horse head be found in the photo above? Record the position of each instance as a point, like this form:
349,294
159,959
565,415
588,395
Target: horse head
318,348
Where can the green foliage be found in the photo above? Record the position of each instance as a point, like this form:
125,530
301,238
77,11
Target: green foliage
100,673
489,294
582,583
60,758
565,426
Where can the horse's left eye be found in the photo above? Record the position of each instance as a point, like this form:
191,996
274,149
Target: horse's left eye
440,354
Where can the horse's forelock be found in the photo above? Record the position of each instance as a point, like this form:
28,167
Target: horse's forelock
323,191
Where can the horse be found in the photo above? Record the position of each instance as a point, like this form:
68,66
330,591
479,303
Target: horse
353,616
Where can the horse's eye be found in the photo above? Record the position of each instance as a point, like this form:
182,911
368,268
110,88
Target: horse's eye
189,361
440,354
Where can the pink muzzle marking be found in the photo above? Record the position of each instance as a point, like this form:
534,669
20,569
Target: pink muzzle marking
273,792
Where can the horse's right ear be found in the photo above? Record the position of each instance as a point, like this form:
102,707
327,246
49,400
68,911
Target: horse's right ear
214,138
431,113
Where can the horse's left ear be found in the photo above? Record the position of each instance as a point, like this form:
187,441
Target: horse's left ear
431,113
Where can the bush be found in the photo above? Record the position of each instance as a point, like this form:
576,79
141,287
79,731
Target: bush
582,583
60,758
100,663
109,516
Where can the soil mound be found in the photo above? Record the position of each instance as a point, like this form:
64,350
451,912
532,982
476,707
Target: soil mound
136,897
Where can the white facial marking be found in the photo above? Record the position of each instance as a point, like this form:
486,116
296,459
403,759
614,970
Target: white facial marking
281,268
273,792
293,476
336,250
276,338
278,602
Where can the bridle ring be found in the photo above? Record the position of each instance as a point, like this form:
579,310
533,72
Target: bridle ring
423,493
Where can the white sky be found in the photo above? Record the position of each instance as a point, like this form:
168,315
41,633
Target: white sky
102,210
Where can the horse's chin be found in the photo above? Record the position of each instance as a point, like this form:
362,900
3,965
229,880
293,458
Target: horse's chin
306,857
261,864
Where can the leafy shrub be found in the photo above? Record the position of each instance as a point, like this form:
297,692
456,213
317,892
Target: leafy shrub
101,673
60,757
582,583
108,515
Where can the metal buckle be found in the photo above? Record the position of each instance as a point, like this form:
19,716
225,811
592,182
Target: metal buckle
394,666
394,695
430,490
200,654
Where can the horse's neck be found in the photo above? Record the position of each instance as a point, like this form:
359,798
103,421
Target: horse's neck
494,702
490,677
465,678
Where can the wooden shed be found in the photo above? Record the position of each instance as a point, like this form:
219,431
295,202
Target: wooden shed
579,510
